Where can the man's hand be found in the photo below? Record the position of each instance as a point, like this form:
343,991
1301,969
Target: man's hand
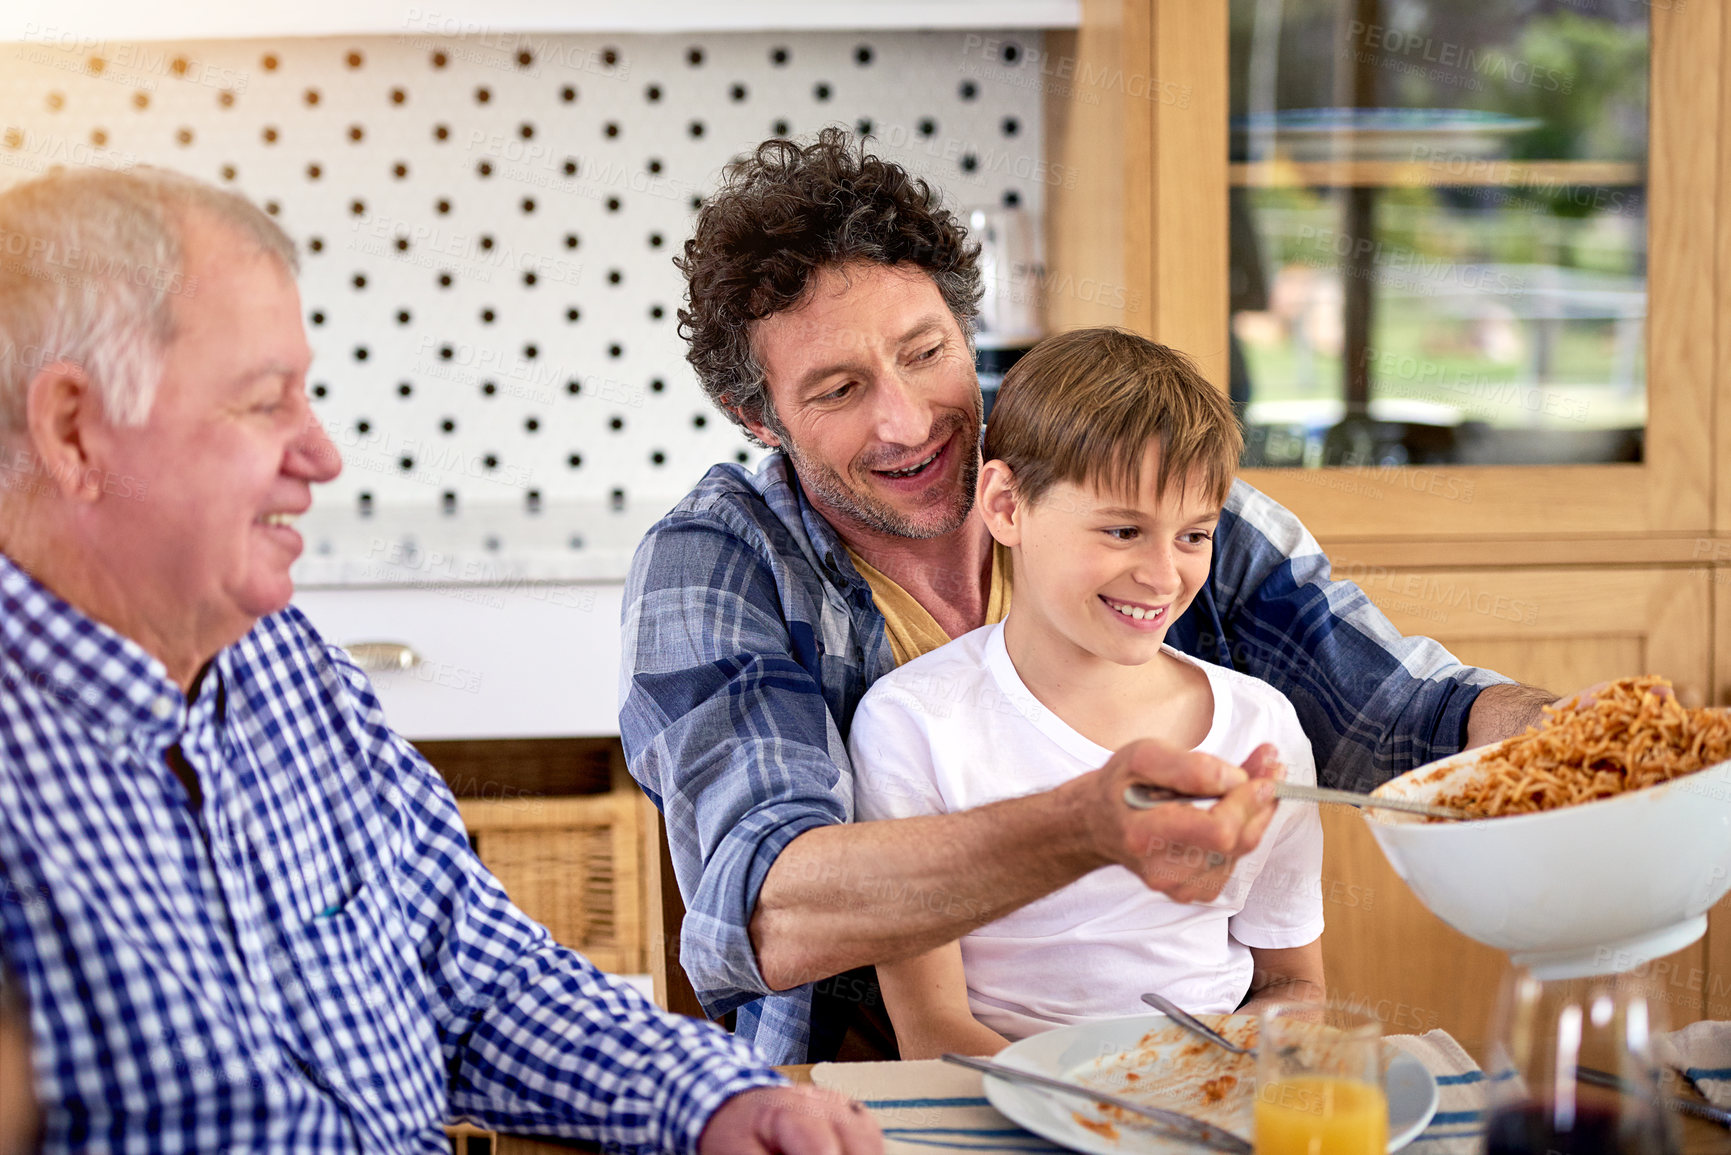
1184,851
790,1121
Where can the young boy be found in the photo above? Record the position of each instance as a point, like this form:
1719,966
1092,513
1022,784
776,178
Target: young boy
1108,459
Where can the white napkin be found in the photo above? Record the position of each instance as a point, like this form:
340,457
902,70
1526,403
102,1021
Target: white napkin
1702,1051
930,1104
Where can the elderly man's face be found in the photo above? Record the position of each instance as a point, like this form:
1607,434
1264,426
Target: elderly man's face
874,387
231,450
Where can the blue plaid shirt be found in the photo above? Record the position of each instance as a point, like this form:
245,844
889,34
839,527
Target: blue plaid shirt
750,638
315,961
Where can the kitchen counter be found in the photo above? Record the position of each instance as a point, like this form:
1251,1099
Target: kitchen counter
479,545
492,621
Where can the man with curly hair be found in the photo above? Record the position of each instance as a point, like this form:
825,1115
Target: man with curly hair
830,299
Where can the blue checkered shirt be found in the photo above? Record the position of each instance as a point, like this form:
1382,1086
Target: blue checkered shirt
749,638
315,961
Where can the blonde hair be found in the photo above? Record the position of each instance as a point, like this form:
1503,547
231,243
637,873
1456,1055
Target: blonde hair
90,261
1084,407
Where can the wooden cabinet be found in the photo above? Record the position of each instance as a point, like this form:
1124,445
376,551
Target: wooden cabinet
1148,211
1564,628
526,660
1557,575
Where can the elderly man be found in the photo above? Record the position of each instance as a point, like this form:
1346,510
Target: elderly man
830,299
244,913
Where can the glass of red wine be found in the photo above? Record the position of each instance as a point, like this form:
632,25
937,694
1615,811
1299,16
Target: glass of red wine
1571,1069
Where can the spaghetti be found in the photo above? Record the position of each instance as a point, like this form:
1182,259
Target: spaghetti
1635,734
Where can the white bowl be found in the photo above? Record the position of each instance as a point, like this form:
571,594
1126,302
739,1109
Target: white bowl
1598,888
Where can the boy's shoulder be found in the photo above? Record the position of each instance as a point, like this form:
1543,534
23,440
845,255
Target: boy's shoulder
964,655
1237,680
1247,691
1256,712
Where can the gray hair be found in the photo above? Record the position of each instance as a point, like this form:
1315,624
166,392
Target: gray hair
90,260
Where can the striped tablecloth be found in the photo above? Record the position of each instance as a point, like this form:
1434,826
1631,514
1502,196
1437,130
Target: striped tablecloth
1702,1052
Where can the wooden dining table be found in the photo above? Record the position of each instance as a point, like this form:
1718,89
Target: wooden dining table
1699,1137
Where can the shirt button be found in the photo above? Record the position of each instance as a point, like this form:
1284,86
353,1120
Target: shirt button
162,708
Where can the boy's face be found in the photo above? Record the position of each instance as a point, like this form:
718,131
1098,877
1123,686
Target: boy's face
1098,574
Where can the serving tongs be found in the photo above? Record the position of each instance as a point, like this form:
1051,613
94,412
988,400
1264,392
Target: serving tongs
1173,1124
1143,796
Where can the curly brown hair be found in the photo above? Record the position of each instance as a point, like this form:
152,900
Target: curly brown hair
784,211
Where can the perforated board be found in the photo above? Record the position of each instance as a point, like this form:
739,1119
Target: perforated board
487,222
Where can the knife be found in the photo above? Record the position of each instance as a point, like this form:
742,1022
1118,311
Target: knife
1174,1123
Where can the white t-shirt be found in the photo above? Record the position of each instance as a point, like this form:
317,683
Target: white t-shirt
957,728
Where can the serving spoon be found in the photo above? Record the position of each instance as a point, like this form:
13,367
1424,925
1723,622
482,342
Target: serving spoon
1143,796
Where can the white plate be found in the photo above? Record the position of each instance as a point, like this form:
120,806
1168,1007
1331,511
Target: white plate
1156,1050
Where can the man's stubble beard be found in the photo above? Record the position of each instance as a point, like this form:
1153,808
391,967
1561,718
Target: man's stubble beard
828,486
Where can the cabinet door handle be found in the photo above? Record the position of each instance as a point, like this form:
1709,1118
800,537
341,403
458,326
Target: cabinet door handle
380,657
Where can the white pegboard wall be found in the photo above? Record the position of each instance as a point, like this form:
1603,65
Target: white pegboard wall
487,223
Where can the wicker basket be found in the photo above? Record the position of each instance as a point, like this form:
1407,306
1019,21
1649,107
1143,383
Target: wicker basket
574,864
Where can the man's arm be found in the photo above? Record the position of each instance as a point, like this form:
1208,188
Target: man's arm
726,727
1504,711
727,730
535,1039
873,892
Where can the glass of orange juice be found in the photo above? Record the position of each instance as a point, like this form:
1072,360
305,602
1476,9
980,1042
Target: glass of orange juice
1319,1082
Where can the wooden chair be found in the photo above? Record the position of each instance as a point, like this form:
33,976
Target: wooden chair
673,991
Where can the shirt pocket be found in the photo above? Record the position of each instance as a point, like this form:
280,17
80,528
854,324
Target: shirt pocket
359,1003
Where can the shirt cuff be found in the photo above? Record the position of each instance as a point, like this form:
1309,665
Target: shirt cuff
715,943
1450,736
699,1094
